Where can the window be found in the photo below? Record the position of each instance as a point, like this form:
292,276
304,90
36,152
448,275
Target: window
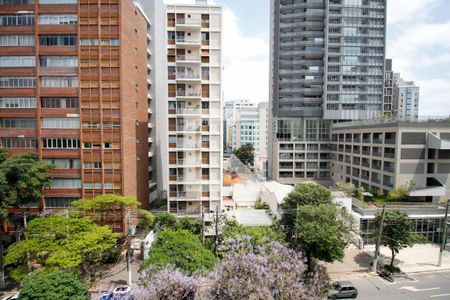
57,1
61,123
111,42
16,2
205,36
56,19
64,163
98,185
111,125
58,201
170,35
17,143
17,20
18,123
92,165
17,61
59,81
17,102
89,42
91,125
58,40
51,102
59,61
66,183
60,143
16,40
17,82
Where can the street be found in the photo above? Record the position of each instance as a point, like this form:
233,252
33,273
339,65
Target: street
435,285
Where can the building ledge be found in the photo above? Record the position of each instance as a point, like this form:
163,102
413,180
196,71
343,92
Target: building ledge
435,142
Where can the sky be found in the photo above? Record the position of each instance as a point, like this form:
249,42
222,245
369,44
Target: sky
418,41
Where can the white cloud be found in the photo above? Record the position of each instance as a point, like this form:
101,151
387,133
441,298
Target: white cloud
421,52
246,62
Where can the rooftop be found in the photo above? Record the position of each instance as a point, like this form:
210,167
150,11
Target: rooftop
423,121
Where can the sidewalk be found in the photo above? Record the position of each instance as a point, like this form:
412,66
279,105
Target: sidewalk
417,259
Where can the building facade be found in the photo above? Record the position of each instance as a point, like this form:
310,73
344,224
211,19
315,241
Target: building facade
406,98
74,94
194,147
327,66
386,154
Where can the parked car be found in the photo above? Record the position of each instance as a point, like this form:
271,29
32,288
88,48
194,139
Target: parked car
343,289
11,297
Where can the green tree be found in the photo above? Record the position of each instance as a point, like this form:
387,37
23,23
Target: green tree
181,249
347,188
259,235
303,194
64,243
245,153
166,220
323,231
22,180
398,231
44,285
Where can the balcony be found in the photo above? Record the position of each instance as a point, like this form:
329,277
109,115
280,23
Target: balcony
188,128
187,162
189,94
189,41
188,145
189,111
188,76
192,195
188,59
188,23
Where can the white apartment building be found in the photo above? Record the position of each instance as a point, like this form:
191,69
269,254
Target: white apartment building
406,98
194,108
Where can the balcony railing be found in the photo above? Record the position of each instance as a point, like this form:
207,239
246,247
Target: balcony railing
188,40
188,111
181,57
187,75
184,21
188,128
183,93
189,195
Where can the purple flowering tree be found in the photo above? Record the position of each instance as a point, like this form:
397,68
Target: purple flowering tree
265,272
167,284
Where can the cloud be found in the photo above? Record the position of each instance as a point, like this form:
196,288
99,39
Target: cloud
245,59
420,51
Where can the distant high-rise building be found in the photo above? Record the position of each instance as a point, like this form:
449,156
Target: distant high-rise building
73,90
406,98
327,65
388,102
194,41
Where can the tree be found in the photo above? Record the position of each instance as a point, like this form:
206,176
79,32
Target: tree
347,188
259,235
166,220
22,180
167,284
303,194
266,272
398,231
64,243
245,153
43,285
183,250
323,231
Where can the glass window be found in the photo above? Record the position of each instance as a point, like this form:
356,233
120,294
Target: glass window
59,81
17,20
60,143
17,82
66,183
56,19
16,2
57,1
59,61
52,102
18,143
64,163
16,40
17,102
61,123
58,202
17,61
58,40
89,42
17,123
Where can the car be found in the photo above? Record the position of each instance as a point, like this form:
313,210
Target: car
343,289
12,297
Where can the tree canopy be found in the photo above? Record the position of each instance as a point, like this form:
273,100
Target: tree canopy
323,231
22,180
182,249
245,153
259,235
44,285
303,194
167,220
62,242
398,231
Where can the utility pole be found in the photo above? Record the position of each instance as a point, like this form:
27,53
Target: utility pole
444,235
203,226
377,245
216,242
129,248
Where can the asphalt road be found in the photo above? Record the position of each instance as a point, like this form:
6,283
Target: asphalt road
433,286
